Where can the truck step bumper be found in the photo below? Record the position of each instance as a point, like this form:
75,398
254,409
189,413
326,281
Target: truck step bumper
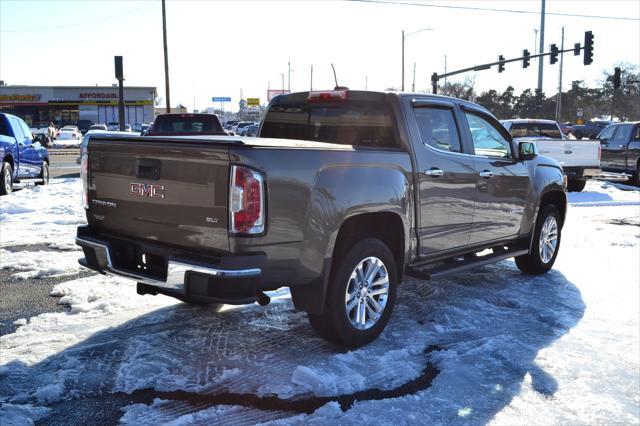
183,277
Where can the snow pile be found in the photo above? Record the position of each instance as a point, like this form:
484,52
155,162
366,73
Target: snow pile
39,264
600,193
21,415
42,215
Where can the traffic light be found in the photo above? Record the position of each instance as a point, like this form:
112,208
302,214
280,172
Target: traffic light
616,78
526,58
588,48
576,49
501,63
553,58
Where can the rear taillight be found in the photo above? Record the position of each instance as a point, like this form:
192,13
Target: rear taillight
246,201
84,175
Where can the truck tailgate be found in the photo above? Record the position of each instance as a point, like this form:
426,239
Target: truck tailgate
571,153
161,191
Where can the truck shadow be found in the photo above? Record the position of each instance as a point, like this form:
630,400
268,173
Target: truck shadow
456,349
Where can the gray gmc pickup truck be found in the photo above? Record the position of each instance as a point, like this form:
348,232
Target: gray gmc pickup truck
343,193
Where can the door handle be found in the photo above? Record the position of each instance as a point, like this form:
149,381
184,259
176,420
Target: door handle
568,151
434,172
486,174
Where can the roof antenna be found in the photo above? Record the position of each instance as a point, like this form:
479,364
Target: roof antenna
338,87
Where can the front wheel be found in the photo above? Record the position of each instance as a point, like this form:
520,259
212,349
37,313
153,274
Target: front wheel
360,297
6,179
576,185
546,243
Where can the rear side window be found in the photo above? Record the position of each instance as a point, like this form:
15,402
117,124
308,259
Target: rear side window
365,124
543,130
624,133
438,128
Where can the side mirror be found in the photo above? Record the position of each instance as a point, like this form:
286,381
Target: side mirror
604,141
527,150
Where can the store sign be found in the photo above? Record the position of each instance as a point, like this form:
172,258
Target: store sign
253,101
98,95
20,98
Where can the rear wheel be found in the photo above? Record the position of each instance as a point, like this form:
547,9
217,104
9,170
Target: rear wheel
576,185
6,179
578,135
44,174
360,297
546,243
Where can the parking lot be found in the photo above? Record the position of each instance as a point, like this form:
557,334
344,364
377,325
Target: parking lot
492,345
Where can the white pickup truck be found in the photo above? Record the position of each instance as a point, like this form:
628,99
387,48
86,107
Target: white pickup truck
580,159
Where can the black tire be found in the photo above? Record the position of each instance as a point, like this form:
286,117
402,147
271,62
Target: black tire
6,179
635,179
532,263
44,174
334,323
576,185
578,135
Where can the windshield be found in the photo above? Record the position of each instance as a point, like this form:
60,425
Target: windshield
540,130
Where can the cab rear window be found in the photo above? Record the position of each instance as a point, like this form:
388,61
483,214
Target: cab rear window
364,124
188,124
543,130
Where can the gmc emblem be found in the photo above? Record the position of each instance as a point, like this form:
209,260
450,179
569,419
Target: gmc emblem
146,190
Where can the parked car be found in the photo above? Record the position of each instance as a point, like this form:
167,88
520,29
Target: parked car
24,159
590,129
185,124
243,130
229,124
69,132
237,128
251,130
621,149
102,127
373,187
580,160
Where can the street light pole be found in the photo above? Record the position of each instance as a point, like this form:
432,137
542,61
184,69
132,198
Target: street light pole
166,58
403,37
401,87
541,47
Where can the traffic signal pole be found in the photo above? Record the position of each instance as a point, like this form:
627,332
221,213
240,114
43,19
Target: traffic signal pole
588,50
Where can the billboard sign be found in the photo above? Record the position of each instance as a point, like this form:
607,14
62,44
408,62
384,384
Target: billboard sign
221,99
273,93
253,101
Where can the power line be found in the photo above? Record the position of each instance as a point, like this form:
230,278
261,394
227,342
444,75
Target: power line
484,9
104,18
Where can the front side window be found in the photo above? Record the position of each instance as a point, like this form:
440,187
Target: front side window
487,140
438,128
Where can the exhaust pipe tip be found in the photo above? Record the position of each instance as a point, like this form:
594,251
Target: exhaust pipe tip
262,299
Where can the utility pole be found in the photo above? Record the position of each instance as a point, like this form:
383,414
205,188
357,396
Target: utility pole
166,58
289,77
541,47
311,84
413,85
282,74
366,82
559,97
120,78
402,87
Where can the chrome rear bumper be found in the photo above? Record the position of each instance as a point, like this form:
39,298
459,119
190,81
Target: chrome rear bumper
176,269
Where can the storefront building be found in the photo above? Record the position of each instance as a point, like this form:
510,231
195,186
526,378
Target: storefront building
77,105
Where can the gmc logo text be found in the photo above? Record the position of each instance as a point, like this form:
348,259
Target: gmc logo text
146,190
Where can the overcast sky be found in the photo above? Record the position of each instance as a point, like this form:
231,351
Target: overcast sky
217,48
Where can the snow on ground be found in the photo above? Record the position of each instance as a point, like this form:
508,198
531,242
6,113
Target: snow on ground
508,348
42,215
